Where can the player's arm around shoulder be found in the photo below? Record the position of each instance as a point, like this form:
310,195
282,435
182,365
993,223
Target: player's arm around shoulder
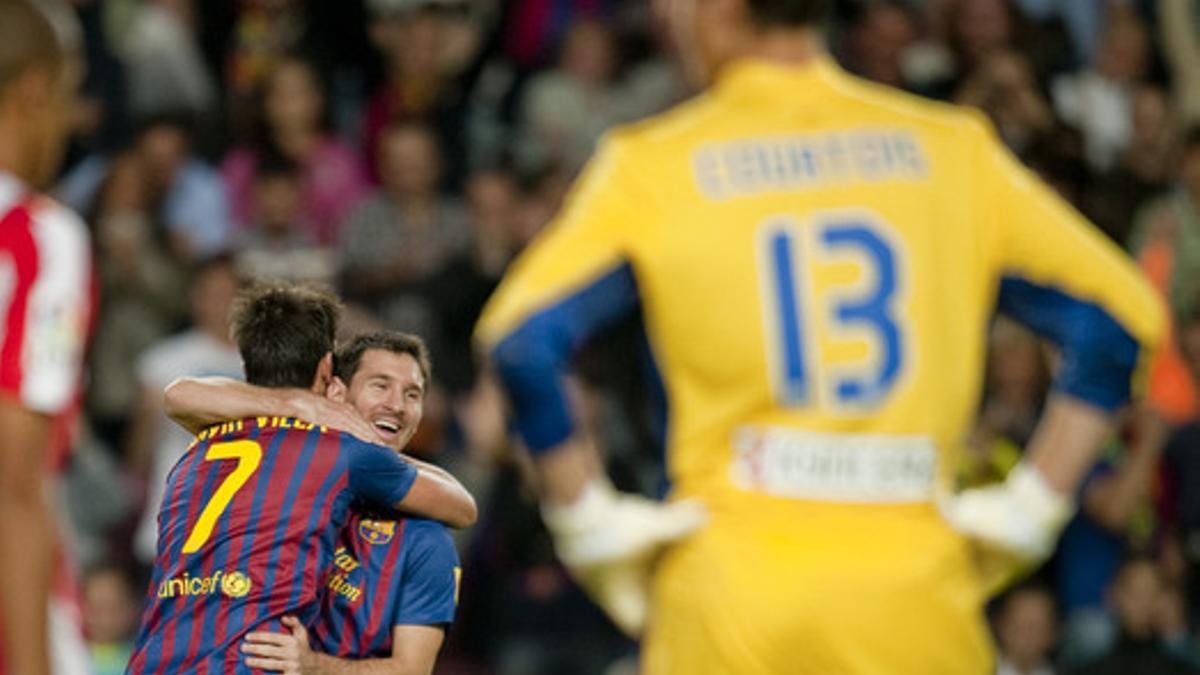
198,402
384,477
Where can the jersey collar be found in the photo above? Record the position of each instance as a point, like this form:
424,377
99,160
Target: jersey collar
762,78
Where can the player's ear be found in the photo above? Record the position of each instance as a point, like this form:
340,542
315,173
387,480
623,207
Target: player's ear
324,374
31,90
336,390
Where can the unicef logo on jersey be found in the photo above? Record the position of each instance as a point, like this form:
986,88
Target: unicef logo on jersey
377,532
230,584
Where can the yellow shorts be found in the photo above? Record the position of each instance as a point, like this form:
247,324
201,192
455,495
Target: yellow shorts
801,588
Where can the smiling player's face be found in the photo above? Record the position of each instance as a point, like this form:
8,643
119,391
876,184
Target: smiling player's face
388,389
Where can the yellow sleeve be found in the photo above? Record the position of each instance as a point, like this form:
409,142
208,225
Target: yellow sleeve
574,280
1060,276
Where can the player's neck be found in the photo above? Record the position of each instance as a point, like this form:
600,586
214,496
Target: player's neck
10,151
794,47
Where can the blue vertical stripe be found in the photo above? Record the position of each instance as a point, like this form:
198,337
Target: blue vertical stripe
795,387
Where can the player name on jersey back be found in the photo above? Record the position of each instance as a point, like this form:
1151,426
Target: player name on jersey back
261,422
754,165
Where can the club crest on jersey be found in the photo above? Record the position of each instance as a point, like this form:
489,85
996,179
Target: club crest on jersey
236,585
377,531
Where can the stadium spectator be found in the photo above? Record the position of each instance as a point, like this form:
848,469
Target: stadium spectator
262,34
181,189
1181,476
1174,220
1003,86
1134,595
1084,22
1026,629
965,32
459,291
162,57
564,111
1113,197
1017,381
878,40
275,247
110,616
394,243
521,613
1113,519
427,47
292,121
1171,624
1166,242
1099,100
534,28
1179,31
142,285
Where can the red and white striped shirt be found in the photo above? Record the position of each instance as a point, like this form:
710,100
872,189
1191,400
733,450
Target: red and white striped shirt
47,300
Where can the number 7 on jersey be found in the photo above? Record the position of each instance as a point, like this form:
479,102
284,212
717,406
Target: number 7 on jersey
248,455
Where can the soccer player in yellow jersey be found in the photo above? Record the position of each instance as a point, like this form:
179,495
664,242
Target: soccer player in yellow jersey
816,258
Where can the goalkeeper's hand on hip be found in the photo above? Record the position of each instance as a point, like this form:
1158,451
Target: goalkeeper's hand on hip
1020,518
609,541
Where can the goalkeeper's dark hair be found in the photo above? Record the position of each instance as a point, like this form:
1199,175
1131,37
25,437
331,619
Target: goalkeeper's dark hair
787,13
283,331
349,356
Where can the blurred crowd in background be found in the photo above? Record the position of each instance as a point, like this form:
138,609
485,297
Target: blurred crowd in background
403,151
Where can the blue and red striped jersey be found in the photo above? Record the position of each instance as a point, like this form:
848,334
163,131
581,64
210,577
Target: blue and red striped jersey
386,573
249,521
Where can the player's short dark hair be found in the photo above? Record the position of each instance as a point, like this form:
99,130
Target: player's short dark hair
31,35
787,13
283,331
349,355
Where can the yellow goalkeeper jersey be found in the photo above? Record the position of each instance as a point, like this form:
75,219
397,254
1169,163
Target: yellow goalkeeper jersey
817,259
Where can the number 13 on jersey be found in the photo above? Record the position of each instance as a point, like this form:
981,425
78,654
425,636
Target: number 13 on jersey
833,281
